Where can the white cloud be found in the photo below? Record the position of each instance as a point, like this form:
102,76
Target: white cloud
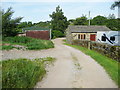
58,0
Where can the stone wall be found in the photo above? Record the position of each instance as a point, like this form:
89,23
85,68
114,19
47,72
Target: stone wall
105,49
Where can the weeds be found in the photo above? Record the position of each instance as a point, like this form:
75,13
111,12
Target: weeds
76,62
4,47
23,73
30,43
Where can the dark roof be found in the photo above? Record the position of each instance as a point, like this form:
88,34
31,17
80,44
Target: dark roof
35,28
80,28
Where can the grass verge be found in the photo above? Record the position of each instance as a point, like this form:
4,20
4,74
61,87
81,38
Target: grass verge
9,47
30,43
23,73
111,66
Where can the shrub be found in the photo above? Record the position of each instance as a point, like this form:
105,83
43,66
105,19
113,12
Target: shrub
56,33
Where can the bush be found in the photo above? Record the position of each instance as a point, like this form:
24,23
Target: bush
56,33
23,73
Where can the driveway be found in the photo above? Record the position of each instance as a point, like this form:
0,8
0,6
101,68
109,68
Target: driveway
72,69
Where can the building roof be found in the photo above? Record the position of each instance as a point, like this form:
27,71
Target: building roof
35,28
80,28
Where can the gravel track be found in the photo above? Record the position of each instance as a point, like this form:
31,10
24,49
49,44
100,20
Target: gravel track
72,69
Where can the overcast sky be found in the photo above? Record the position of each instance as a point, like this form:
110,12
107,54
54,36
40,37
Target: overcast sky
39,10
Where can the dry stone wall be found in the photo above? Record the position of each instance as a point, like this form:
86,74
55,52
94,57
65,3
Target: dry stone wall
105,49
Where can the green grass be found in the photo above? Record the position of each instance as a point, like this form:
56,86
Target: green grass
9,47
30,43
23,73
110,65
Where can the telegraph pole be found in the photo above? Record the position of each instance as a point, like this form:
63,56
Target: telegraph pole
50,31
89,18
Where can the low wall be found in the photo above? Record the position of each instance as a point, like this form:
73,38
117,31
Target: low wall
105,49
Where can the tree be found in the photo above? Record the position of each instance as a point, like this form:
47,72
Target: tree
116,4
9,25
71,21
81,21
99,20
56,33
45,24
29,24
112,24
59,21
23,25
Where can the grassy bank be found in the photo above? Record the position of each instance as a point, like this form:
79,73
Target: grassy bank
23,73
111,66
30,43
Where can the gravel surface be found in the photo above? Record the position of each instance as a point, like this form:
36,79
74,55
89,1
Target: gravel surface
72,69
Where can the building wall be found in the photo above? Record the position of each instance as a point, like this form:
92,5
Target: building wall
87,35
39,34
69,37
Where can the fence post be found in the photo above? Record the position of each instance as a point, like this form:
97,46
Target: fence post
88,44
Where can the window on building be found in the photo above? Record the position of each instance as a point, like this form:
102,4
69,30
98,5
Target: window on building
78,36
82,36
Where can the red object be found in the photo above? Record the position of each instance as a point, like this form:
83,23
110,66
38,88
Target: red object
93,37
38,34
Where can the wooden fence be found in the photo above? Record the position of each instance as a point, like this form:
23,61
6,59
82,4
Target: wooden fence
105,49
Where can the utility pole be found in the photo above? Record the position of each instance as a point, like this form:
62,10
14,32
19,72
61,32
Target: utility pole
50,31
89,18
119,10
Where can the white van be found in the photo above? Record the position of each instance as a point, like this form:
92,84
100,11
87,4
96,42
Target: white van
109,37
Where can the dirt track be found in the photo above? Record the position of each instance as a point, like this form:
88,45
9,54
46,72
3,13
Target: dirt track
72,69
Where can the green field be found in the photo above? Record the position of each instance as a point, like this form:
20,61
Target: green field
30,43
23,73
111,66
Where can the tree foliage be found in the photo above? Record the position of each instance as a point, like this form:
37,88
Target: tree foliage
80,21
56,33
29,24
99,20
71,21
59,21
25,24
112,24
9,25
110,21
45,24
